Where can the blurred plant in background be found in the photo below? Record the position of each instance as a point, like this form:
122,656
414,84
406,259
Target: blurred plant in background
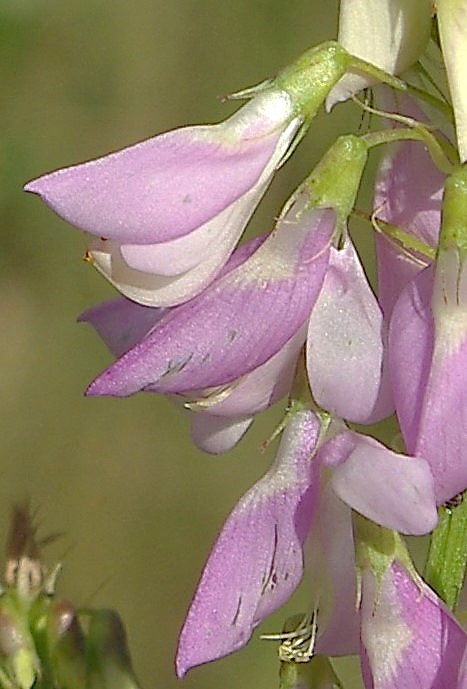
227,331
44,641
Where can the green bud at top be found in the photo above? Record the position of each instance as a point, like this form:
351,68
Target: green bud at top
312,76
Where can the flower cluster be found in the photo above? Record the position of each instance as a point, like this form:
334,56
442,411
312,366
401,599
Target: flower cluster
228,329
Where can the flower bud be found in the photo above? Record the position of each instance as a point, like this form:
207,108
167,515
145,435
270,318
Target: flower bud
66,646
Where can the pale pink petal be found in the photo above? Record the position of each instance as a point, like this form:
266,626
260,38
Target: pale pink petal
391,34
442,431
393,490
169,185
159,290
452,24
257,561
217,434
121,323
330,571
344,344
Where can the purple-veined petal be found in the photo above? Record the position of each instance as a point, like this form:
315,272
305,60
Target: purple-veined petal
344,344
238,323
410,640
256,390
393,490
217,434
169,185
257,561
222,416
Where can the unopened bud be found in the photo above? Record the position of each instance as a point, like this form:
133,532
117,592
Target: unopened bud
66,647
18,658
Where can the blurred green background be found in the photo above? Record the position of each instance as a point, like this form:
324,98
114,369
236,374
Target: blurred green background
139,506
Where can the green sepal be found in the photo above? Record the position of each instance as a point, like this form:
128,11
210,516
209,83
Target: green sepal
377,548
335,180
313,75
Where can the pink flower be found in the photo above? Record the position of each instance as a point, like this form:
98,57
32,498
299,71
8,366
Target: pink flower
303,501
231,351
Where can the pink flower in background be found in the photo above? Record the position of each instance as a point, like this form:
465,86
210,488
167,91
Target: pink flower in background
258,561
166,213
408,194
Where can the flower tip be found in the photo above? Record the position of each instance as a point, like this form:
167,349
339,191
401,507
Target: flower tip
105,385
180,668
33,187
93,389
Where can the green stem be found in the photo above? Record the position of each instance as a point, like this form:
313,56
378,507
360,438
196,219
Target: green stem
408,242
415,132
447,556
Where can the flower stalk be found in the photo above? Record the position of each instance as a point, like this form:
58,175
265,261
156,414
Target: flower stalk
446,563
